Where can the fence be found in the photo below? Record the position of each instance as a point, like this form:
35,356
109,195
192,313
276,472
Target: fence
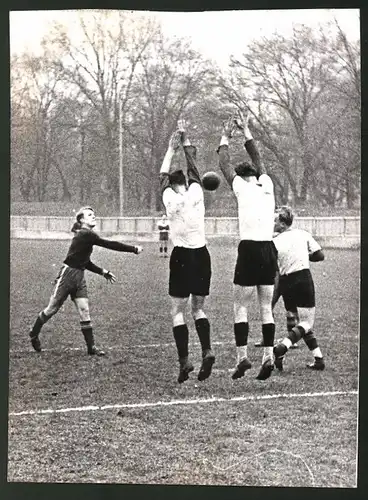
330,231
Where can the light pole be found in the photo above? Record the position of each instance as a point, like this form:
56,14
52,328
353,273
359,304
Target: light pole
121,173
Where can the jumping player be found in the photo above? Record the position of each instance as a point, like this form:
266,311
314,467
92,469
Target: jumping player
295,249
256,264
163,228
71,280
190,263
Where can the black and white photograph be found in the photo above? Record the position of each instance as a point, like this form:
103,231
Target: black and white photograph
185,236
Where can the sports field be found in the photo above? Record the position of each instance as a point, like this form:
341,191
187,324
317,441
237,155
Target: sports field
125,419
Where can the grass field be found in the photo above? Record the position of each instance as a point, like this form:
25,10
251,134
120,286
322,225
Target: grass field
124,418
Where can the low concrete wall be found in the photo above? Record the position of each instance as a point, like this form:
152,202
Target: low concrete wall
331,232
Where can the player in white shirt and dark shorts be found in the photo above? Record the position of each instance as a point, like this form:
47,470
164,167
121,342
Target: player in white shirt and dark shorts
256,264
190,263
295,249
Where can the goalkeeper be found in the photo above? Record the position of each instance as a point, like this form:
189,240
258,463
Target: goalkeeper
71,280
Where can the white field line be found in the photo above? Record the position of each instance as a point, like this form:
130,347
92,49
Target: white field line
176,402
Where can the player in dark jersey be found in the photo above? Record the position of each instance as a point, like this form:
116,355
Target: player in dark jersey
71,280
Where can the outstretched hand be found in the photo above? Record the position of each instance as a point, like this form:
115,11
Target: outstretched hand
243,123
228,127
139,249
182,127
110,278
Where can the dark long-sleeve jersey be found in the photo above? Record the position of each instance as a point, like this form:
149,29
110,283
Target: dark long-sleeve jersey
81,248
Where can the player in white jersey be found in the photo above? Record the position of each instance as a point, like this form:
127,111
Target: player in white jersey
256,264
190,263
295,249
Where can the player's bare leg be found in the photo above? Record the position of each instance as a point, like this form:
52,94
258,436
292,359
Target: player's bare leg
265,293
242,299
203,329
181,336
44,316
81,303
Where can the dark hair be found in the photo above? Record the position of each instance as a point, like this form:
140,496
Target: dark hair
285,215
78,225
246,169
177,177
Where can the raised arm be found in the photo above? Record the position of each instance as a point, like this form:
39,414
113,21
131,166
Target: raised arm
190,154
250,144
223,151
166,164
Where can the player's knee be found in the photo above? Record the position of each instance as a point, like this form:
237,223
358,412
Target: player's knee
51,310
177,311
83,311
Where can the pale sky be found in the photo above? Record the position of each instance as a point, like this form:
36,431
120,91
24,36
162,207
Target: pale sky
215,34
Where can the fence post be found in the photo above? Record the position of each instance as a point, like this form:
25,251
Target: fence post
344,227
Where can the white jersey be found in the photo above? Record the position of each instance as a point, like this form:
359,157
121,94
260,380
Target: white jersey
185,212
256,207
294,247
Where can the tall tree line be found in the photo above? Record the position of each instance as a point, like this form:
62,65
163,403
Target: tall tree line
303,93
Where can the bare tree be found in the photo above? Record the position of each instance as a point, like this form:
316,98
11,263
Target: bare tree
286,83
172,79
102,66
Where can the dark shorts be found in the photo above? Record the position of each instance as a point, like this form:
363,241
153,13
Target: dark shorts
190,272
256,263
164,236
297,290
71,282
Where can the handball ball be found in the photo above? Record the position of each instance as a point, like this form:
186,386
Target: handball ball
211,181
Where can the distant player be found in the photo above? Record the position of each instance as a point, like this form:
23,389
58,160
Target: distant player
256,264
190,263
295,248
71,280
163,228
